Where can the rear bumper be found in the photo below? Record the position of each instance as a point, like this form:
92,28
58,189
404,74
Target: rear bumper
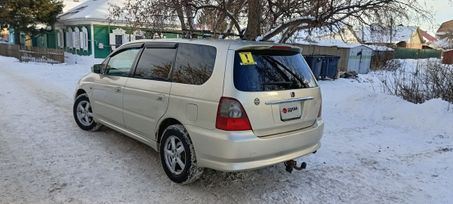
235,151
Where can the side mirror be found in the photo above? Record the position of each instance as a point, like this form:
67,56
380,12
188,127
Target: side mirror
97,68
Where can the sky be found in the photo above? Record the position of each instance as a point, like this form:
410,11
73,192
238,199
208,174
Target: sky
441,11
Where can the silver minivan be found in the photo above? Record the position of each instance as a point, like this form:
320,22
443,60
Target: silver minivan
227,105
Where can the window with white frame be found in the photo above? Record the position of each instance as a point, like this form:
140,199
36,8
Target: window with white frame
76,38
84,39
69,42
60,39
118,37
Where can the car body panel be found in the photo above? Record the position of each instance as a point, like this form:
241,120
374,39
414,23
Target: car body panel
235,151
263,107
144,103
141,106
107,98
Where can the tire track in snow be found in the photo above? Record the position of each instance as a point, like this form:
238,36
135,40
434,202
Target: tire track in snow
52,161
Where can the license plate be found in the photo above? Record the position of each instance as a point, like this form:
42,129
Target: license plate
290,111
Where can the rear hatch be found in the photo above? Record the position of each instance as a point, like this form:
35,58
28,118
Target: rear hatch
277,90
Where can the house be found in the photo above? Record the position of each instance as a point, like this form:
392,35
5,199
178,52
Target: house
353,57
445,30
343,34
429,41
397,37
69,4
445,35
447,57
45,39
86,29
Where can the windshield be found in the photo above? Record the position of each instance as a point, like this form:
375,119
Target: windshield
270,70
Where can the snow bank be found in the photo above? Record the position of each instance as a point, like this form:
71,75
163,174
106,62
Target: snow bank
59,76
366,100
70,58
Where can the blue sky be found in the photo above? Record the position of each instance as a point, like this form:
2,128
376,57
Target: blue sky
441,11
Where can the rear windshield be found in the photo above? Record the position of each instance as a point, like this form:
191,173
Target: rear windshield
270,70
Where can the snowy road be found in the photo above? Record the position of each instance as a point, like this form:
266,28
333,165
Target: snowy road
376,149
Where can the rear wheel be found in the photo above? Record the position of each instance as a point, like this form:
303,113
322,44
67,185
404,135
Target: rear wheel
83,113
178,156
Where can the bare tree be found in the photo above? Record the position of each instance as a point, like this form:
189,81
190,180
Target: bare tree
266,19
149,15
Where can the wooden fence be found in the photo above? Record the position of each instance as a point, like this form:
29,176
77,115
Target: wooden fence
34,54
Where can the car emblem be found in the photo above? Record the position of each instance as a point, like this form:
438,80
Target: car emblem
293,94
285,110
257,101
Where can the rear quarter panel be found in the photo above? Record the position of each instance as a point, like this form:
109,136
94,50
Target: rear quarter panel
196,105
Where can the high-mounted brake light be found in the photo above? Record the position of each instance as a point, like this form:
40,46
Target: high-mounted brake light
231,116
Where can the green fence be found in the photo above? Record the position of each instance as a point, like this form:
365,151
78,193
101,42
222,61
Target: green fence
406,53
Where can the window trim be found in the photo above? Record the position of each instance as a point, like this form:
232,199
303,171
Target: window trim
176,56
156,45
119,50
262,91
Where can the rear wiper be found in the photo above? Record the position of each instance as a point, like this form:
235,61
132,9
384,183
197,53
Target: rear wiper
279,83
274,61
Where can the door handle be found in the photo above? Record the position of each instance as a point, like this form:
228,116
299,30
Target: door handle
160,98
117,89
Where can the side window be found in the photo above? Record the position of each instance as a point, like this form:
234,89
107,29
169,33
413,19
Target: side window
121,63
155,63
194,64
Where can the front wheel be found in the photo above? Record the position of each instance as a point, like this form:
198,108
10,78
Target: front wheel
83,113
178,156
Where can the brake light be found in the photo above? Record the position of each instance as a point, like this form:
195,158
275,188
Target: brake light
231,116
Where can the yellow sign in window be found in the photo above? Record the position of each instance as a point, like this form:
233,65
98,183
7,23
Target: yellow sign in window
246,58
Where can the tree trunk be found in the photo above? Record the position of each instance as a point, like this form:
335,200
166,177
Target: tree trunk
253,20
180,13
190,19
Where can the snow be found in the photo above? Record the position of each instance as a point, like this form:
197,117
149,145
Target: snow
380,48
339,44
444,43
376,148
69,4
82,60
380,35
326,43
90,10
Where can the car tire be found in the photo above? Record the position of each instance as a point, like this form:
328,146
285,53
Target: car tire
83,114
177,155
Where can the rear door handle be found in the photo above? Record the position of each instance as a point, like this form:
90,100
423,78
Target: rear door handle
117,89
160,98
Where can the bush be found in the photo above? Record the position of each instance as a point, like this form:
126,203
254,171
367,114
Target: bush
417,83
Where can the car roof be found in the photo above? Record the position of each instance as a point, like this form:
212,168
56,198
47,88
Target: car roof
231,44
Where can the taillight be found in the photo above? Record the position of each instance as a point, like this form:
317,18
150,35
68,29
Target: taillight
231,116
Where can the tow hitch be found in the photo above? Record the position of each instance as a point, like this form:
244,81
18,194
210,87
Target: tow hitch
291,164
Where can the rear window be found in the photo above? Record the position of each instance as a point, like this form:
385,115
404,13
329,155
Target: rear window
270,70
